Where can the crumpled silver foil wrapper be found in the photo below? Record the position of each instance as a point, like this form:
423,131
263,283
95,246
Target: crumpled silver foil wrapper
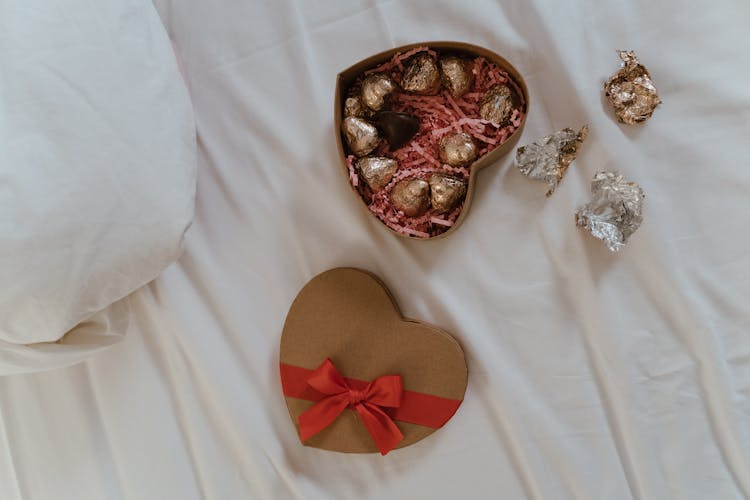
631,91
615,210
549,158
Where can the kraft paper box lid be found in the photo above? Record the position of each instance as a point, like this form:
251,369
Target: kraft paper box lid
348,316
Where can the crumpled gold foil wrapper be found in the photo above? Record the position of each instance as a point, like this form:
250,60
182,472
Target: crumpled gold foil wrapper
615,210
631,91
548,158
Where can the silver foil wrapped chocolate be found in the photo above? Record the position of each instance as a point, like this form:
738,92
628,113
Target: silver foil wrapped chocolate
631,91
548,158
446,192
411,196
361,136
377,171
456,75
458,149
376,90
421,75
615,210
497,104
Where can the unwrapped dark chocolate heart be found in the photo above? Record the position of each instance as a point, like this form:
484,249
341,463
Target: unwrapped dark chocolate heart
397,128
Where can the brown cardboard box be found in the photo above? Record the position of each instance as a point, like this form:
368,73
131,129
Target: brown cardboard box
348,316
345,79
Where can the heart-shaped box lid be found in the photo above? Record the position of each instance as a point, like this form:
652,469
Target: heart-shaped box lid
348,316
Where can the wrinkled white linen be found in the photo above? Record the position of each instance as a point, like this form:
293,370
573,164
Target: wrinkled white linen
97,177
592,376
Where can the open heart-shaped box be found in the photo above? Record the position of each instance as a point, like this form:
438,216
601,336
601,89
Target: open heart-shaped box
346,318
347,78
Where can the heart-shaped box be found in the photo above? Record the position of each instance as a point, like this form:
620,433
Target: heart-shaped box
347,77
347,316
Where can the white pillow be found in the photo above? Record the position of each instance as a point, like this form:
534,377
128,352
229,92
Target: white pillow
97,171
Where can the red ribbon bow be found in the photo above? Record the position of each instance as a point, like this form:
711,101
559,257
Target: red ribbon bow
385,391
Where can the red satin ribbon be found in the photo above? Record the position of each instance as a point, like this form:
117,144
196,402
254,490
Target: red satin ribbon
368,402
378,403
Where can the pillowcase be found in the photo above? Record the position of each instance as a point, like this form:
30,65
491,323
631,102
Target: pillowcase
97,171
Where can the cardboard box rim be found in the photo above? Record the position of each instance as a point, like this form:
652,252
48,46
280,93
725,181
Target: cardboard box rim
346,77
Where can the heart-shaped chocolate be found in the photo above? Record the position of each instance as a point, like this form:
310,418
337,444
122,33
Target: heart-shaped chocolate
397,128
348,316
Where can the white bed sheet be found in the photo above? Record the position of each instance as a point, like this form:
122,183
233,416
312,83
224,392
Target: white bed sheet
592,376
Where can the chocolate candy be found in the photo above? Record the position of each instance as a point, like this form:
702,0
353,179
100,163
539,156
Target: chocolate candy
377,171
421,75
376,90
446,192
548,158
353,106
411,196
631,91
615,210
361,137
397,128
497,104
458,149
456,75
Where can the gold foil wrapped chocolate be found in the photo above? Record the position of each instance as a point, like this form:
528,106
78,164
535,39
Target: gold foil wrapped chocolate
377,171
353,106
456,75
361,136
615,210
421,75
376,90
411,196
631,91
497,104
446,192
548,158
458,149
